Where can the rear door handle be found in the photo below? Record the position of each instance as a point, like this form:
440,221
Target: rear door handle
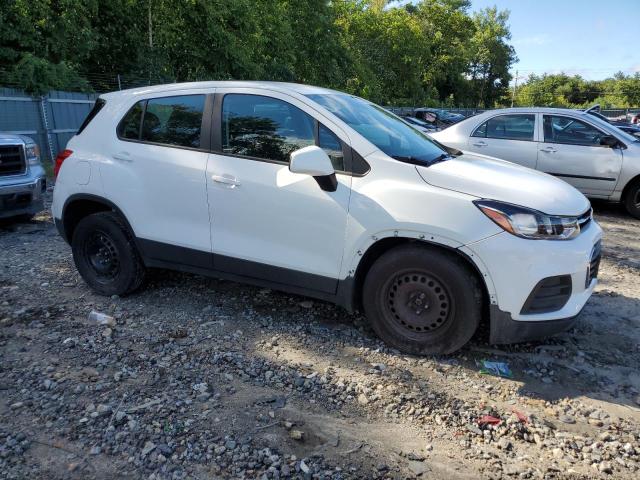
123,157
480,143
548,150
226,179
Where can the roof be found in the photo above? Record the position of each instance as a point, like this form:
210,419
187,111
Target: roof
277,86
536,110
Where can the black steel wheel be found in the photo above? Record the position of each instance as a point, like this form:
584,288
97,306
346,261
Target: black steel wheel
422,300
105,254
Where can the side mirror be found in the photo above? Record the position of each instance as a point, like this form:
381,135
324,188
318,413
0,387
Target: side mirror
609,141
314,161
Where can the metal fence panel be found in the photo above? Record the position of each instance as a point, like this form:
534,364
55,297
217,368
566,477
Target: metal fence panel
50,120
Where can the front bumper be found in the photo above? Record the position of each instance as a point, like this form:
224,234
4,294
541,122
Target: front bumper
515,266
24,197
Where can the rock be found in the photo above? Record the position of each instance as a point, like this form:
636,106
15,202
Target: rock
148,448
362,399
418,468
306,304
296,434
567,419
605,467
304,467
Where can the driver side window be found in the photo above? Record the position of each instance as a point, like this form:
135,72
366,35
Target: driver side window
264,127
569,131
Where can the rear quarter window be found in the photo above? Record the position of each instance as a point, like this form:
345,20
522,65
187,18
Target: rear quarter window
92,114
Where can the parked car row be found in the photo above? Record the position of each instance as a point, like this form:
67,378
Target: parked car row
321,193
579,147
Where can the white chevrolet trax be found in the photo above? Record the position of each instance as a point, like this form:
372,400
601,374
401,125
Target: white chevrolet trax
320,193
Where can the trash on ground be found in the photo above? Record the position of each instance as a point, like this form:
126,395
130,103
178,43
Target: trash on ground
521,416
499,369
102,318
489,420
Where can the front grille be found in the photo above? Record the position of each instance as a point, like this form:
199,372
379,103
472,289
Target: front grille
549,295
594,264
585,219
12,160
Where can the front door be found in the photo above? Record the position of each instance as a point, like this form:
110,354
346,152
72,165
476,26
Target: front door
266,222
570,149
507,137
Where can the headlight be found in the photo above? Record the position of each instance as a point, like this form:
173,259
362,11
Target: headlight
527,223
32,151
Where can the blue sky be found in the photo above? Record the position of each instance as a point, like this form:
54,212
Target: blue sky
592,38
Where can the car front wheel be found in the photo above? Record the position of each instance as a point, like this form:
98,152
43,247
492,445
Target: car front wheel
422,300
105,254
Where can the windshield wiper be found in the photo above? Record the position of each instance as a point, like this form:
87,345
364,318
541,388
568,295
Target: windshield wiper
440,158
420,161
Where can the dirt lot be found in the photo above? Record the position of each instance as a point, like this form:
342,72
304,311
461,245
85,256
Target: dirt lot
202,378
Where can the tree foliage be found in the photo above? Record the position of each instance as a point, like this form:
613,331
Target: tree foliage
426,52
561,90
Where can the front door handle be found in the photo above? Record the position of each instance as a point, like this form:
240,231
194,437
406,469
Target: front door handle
123,157
548,150
480,143
226,179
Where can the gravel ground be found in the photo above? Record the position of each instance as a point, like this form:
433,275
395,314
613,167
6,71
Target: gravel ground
199,378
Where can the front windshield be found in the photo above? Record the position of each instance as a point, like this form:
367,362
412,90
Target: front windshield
386,131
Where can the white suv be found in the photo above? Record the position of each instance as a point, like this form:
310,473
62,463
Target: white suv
324,194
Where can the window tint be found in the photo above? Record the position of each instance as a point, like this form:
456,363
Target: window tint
130,125
508,127
570,131
264,127
174,120
332,146
94,111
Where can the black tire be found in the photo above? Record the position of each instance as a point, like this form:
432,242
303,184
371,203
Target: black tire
105,254
631,199
403,287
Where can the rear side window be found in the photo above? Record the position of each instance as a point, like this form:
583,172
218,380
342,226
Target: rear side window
570,131
167,120
174,120
264,127
130,125
94,111
507,127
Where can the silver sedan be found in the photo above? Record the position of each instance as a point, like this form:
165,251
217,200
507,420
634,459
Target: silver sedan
594,156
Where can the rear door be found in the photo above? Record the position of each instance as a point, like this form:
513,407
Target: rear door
570,149
155,173
509,137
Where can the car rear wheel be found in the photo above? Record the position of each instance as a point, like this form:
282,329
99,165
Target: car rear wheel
422,300
105,254
632,199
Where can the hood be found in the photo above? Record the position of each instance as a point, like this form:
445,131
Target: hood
490,178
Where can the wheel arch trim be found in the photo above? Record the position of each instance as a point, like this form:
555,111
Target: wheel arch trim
356,274
79,197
